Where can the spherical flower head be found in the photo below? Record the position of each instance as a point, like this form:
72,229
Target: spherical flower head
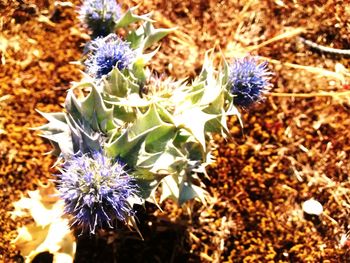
96,191
108,53
100,16
160,86
248,81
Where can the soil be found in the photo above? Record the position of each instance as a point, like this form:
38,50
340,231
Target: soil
294,146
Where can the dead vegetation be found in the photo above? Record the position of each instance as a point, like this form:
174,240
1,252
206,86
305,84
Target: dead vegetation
293,147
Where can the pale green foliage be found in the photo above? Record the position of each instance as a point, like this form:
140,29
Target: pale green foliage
160,129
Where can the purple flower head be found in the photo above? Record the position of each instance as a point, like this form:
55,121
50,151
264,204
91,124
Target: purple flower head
95,190
100,16
248,80
107,53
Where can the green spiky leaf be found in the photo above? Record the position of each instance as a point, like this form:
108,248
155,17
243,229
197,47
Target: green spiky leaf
170,188
153,35
128,144
145,123
57,122
119,85
94,110
147,183
158,139
61,141
129,17
194,120
189,191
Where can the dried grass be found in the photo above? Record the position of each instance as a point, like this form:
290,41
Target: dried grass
294,146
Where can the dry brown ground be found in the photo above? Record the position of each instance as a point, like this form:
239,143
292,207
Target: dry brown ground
292,148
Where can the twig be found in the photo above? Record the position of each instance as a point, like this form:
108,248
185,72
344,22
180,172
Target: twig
314,70
288,34
310,95
343,52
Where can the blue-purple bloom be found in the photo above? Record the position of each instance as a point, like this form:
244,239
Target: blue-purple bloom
96,190
107,53
100,16
248,80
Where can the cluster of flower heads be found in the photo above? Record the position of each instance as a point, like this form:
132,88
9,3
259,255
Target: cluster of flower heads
248,81
96,190
100,16
107,53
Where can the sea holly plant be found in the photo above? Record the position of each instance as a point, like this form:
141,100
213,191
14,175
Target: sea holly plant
125,134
